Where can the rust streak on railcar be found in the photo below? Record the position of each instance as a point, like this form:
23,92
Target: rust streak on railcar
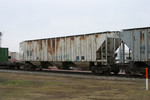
57,48
49,46
53,45
82,38
57,43
72,41
63,48
108,32
27,50
40,49
134,38
31,45
141,36
72,38
96,36
72,48
40,44
45,41
149,36
53,48
90,45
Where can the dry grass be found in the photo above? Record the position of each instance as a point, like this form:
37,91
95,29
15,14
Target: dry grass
31,87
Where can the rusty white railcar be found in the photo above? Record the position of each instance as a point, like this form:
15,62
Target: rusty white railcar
138,41
95,51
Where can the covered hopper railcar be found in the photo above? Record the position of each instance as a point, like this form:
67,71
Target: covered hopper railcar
138,41
94,51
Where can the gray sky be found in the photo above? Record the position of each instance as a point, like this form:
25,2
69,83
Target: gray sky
34,19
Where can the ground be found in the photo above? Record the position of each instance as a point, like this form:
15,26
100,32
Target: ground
33,87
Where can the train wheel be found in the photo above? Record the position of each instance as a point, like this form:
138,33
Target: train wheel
116,72
93,70
107,72
11,67
18,67
135,71
115,69
127,71
33,67
28,66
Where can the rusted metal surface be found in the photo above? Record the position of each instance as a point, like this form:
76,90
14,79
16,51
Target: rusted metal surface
138,40
73,48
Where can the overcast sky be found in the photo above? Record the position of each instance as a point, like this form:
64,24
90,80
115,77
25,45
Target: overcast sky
34,19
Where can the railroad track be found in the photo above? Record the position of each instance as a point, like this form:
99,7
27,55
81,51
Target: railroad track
83,75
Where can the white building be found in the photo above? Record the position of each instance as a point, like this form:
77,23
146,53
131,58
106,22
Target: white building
14,55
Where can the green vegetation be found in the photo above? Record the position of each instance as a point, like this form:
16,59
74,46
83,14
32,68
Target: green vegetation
31,87
16,82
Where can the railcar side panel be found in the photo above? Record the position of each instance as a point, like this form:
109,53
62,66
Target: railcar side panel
148,44
138,40
78,48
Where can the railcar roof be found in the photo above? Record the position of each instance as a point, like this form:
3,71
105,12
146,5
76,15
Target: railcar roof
136,28
74,35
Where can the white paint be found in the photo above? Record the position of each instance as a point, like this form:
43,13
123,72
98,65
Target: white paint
147,84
